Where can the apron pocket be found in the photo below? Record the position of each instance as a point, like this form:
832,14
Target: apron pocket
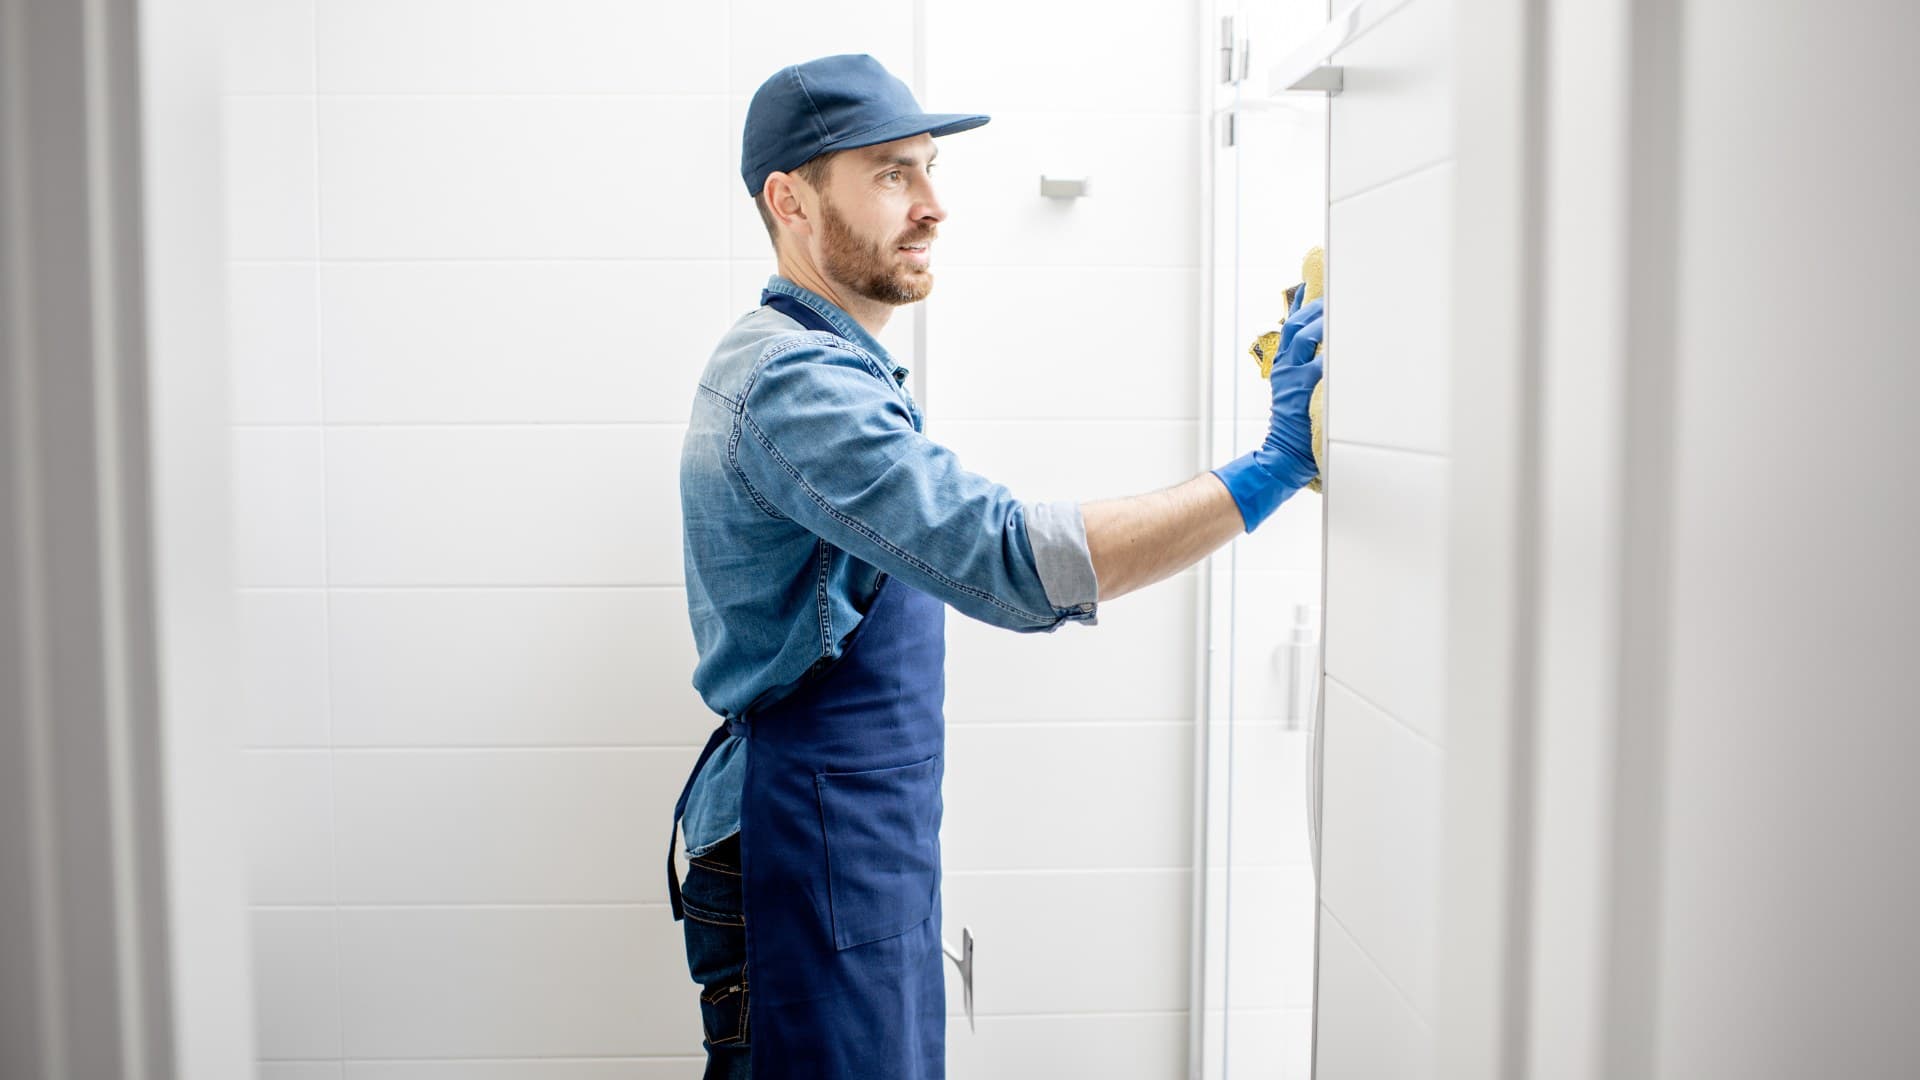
882,831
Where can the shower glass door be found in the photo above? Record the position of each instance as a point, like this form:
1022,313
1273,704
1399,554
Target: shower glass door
1256,965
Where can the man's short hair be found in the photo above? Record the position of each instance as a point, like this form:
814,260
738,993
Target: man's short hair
814,172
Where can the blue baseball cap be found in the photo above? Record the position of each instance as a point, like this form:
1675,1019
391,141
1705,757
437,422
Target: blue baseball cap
833,103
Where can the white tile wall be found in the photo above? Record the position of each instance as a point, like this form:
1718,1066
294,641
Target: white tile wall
492,982
520,47
1072,942
1366,1029
1273,1043
296,983
275,324
504,827
1270,920
279,506
290,833
533,505
272,149
514,667
1386,579
1266,606
452,342
1038,795
1136,665
1378,862
1395,114
1009,350
269,46
1114,1044
765,37
1268,798
1143,211
1397,318
409,177
300,1070
1390,306
618,1068
283,666
481,250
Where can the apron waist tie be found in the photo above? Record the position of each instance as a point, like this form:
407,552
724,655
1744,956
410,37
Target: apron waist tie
680,809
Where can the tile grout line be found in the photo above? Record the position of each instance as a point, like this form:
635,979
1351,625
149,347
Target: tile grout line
1426,740
1383,448
1381,185
1378,969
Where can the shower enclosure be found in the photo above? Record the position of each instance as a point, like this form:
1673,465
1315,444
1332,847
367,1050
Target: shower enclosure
1255,892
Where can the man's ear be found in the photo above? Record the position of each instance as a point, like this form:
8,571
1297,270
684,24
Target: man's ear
784,199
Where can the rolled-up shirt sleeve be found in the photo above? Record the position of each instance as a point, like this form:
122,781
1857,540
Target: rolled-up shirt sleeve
1058,537
826,442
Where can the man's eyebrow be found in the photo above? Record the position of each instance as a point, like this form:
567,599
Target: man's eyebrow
909,159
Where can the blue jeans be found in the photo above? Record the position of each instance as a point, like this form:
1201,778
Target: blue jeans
716,931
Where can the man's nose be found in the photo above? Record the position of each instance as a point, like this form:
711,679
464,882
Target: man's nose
929,208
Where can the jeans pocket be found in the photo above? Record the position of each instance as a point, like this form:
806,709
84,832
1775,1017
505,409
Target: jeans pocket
723,1012
716,933
882,834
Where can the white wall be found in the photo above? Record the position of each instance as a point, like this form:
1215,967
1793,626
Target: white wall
1390,237
479,252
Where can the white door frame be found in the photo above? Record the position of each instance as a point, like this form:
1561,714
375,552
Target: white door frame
1567,160
123,949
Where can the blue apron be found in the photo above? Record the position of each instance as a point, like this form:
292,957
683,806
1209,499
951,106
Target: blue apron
840,849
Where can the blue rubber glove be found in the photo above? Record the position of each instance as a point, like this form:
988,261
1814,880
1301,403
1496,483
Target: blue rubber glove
1260,481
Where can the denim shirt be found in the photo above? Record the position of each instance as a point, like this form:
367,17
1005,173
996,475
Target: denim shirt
804,477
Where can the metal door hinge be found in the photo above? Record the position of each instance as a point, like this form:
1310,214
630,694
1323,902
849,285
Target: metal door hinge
1235,55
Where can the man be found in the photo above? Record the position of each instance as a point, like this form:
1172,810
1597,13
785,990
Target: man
825,534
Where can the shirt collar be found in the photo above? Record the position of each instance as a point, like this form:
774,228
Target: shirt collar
847,325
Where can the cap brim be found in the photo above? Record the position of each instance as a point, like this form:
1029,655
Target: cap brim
935,124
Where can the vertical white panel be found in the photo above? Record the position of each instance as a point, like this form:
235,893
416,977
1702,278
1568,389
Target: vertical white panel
1790,876
1390,249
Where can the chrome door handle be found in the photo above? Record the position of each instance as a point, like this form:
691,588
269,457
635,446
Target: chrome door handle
964,961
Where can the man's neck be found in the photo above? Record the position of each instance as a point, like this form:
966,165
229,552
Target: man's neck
872,315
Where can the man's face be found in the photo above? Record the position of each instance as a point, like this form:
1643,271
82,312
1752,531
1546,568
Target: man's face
878,221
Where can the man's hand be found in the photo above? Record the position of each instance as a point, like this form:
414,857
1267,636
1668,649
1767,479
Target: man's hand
1138,540
1260,481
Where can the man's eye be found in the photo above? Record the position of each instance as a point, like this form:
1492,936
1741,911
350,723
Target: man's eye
894,175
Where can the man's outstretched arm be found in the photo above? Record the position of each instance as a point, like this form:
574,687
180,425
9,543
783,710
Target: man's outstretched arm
1138,540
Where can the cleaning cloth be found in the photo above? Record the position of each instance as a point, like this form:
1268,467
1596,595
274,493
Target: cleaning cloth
1313,286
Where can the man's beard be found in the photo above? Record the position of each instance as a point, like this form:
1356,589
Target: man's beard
868,269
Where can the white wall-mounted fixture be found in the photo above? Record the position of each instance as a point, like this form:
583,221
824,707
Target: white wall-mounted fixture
1306,68
1065,187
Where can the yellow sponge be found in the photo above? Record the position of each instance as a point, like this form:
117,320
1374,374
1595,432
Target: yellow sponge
1313,275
